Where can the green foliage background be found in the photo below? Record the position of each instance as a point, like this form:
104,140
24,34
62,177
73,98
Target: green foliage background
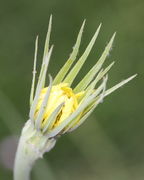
109,146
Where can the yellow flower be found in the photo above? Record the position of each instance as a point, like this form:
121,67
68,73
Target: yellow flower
59,94
59,107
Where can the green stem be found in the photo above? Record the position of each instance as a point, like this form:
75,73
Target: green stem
32,145
23,163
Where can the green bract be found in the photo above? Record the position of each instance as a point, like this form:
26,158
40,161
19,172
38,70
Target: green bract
93,95
39,135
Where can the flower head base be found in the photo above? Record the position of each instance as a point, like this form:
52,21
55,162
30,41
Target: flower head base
58,108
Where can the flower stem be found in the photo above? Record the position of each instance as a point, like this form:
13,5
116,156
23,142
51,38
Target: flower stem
23,163
32,145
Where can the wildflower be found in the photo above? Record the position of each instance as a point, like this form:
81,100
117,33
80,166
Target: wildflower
59,108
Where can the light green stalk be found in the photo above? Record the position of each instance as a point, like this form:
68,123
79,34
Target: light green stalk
32,146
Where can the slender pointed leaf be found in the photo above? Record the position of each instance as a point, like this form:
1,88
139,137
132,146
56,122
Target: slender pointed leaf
40,84
99,77
46,47
50,121
101,96
91,90
41,112
34,72
109,91
47,42
94,70
73,73
82,120
71,59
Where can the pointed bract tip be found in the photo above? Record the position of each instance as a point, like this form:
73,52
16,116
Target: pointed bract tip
112,63
83,24
113,36
52,46
37,37
115,33
99,26
50,77
84,21
50,21
51,17
132,77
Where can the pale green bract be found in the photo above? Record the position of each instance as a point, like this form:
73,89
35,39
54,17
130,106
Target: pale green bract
38,137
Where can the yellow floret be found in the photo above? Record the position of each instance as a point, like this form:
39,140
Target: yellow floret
59,94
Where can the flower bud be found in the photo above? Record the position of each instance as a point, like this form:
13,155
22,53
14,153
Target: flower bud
59,107
59,94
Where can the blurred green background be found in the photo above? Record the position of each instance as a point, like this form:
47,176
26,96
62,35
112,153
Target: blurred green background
109,145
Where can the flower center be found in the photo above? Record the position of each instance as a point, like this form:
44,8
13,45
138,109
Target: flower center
59,94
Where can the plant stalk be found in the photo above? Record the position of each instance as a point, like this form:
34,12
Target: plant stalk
32,145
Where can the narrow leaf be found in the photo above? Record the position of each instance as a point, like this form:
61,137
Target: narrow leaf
74,124
91,89
38,120
34,72
51,119
46,47
94,70
109,91
100,75
40,84
71,59
82,120
73,73
47,42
